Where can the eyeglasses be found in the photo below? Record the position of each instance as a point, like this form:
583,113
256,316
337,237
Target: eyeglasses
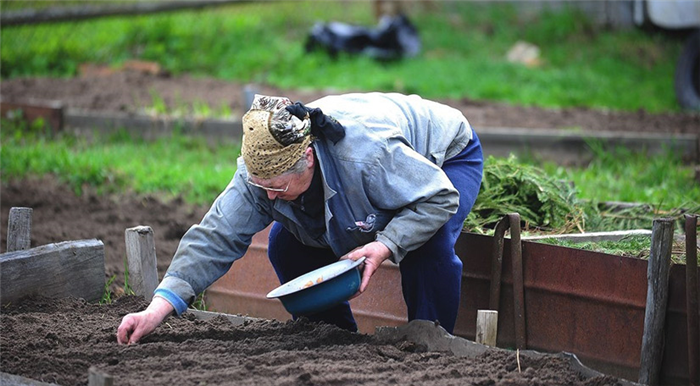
279,190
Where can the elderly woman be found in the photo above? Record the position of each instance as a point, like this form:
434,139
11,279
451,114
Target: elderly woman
384,176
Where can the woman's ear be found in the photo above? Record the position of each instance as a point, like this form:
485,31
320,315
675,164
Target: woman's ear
310,159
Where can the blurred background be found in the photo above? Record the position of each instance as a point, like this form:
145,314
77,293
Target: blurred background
602,54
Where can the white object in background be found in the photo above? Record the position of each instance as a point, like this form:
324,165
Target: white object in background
673,13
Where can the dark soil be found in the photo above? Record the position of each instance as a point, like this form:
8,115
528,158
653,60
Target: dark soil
58,341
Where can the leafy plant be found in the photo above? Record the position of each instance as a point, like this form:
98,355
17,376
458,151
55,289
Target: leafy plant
200,303
107,294
543,202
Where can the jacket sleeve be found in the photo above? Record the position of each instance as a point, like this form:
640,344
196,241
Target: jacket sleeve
208,249
420,192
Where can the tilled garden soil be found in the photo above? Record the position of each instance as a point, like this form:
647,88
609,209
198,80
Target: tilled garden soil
58,341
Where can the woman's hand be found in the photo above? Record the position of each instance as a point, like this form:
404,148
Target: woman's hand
137,325
375,253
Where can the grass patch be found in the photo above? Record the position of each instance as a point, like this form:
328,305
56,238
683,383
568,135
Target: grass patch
463,56
620,174
178,165
633,246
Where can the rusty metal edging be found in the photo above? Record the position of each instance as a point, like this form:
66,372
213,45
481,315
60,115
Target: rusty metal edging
585,302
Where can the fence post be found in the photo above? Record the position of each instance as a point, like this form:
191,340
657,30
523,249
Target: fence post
142,262
99,378
657,299
19,229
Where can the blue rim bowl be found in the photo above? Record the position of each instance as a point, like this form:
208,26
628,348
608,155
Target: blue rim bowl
320,289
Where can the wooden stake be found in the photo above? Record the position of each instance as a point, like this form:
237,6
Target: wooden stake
487,327
142,262
19,229
99,378
657,299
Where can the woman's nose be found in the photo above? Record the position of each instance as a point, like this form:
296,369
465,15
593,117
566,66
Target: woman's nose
272,195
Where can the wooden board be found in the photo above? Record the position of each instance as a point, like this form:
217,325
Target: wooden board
70,268
16,380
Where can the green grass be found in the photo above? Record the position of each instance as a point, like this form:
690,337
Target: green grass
174,166
632,246
463,56
619,174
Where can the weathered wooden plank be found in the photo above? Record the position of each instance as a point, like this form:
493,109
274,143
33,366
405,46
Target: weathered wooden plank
658,271
142,262
99,378
83,122
19,229
16,380
69,268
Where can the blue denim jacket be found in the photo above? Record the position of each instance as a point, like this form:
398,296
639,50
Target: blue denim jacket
381,182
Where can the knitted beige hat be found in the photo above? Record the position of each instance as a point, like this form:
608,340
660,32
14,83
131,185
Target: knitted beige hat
273,139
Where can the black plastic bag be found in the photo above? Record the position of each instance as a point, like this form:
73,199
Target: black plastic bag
393,38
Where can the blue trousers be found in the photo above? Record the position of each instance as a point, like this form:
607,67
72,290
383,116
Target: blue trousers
431,276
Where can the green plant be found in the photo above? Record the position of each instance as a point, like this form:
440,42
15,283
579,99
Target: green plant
107,294
199,303
175,165
158,106
543,202
631,246
619,174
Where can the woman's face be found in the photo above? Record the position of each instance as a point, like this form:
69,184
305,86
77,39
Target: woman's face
287,187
